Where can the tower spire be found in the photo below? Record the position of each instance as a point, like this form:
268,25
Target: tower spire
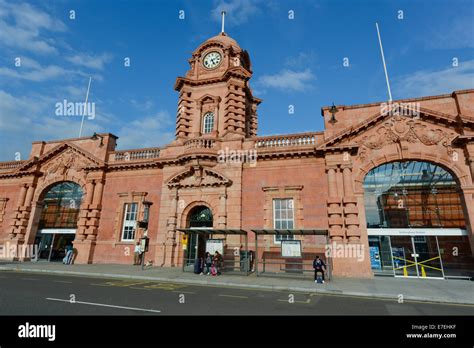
223,20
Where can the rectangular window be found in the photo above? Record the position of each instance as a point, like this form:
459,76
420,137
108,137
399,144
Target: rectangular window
129,221
283,217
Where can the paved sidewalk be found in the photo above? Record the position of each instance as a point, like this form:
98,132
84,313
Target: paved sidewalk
432,290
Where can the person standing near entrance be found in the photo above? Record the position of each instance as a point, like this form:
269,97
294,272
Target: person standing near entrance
208,263
137,254
218,259
69,254
319,267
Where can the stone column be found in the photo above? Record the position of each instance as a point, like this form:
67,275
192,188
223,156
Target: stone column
21,199
336,233
98,190
29,195
222,217
82,226
84,243
350,207
170,243
89,192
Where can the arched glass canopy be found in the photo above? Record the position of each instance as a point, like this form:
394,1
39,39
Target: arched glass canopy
412,194
61,206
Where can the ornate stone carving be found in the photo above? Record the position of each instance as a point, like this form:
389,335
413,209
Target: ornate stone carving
198,176
66,161
3,206
400,128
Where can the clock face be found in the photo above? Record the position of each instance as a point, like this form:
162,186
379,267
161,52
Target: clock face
212,60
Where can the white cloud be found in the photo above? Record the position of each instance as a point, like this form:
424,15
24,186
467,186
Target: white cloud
31,70
149,131
24,119
426,82
302,59
90,61
21,26
288,80
237,11
455,34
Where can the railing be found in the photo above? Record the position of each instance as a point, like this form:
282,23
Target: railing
303,139
10,165
135,155
199,143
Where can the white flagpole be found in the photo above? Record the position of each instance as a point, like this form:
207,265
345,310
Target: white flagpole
384,65
85,106
223,20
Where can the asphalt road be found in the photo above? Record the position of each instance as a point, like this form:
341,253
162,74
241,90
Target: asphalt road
42,294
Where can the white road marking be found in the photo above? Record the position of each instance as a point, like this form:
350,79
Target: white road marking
234,296
104,305
29,279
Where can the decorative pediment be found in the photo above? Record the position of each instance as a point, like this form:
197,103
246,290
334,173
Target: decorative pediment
198,176
61,159
400,129
385,128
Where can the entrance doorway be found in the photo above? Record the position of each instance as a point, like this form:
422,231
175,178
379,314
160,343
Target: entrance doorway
416,256
52,246
415,221
199,218
58,221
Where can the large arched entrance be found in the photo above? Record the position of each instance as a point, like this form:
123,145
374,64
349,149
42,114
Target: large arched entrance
415,221
198,217
58,221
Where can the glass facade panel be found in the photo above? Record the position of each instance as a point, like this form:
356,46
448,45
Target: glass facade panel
419,202
412,194
61,206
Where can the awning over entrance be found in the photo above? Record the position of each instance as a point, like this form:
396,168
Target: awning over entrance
317,232
212,231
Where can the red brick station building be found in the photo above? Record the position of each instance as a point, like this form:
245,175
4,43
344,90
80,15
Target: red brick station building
395,181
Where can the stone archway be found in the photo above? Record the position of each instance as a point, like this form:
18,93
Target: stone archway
414,212
56,218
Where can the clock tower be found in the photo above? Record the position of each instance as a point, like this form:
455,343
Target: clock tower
215,99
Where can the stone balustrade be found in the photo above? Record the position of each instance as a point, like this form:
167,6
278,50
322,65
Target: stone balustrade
7,166
135,155
303,139
199,143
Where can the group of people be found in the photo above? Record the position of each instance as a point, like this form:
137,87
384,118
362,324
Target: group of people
209,264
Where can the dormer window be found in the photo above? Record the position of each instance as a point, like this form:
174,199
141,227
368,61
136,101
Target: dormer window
208,123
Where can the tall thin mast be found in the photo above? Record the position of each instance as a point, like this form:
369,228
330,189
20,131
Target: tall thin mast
384,65
85,107
223,20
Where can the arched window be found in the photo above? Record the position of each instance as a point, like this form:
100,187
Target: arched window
208,123
200,216
61,206
412,194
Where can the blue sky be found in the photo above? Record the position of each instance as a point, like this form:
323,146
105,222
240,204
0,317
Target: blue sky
295,62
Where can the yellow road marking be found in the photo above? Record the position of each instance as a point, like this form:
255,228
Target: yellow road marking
165,286
122,283
184,292
62,281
